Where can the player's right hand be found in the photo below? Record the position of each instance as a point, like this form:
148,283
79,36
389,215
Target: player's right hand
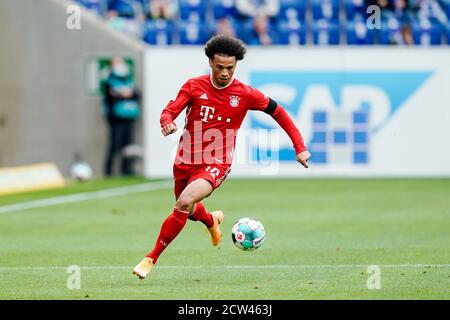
303,158
169,129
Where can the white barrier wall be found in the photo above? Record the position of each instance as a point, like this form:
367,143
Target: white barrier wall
362,111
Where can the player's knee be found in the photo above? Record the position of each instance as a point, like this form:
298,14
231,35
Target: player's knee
185,203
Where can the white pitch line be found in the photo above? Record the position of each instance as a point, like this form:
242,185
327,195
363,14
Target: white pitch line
78,197
318,266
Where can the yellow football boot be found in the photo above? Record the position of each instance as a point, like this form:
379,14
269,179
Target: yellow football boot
143,268
214,231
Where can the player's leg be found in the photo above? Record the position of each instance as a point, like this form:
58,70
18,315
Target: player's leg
194,192
195,215
190,202
174,223
199,213
215,175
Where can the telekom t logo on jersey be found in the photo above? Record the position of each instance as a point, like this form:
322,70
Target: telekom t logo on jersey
207,113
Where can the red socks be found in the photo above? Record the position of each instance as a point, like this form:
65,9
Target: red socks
173,225
170,228
200,214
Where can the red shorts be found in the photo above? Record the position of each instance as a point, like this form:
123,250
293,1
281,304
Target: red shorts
186,173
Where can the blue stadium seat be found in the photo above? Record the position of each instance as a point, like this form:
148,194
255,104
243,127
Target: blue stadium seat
223,8
354,7
292,32
426,32
390,32
244,28
91,4
447,33
124,8
358,33
326,32
325,9
145,6
437,10
158,32
292,10
192,10
193,33
245,31
445,4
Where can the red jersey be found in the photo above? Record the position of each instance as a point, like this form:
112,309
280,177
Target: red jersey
214,116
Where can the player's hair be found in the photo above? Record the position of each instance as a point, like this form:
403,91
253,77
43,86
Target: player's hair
225,45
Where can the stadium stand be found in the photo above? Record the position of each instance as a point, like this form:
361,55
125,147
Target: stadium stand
94,5
325,9
326,32
292,32
193,33
158,32
357,32
223,9
426,32
310,22
125,8
193,10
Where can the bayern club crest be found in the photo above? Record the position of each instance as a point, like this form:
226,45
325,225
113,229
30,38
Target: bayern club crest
234,101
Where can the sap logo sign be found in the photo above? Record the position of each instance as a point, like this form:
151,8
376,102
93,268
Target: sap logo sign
326,106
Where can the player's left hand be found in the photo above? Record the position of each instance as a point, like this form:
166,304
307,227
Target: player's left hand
303,158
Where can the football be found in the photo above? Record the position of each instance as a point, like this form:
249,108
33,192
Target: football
81,171
248,234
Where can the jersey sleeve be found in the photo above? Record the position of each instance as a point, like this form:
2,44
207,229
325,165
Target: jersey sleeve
283,119
174,107
257,100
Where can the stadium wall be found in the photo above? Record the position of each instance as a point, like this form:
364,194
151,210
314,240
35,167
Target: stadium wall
363,112
46,115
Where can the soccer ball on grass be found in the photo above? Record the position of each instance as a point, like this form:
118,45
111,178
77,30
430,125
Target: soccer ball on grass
248,234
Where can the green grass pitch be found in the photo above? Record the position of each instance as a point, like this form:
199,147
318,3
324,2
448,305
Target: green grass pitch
321,236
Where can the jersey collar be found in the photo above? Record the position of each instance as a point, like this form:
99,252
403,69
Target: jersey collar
219,88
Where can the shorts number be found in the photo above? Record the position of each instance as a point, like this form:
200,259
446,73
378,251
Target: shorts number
214,172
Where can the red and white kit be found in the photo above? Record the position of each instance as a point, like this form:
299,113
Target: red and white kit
213,118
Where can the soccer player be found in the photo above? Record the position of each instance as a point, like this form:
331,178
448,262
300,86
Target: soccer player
216,106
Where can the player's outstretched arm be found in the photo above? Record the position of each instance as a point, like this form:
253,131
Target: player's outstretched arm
284,120
262,103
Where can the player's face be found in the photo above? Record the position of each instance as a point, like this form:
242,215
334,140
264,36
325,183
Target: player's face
222,69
